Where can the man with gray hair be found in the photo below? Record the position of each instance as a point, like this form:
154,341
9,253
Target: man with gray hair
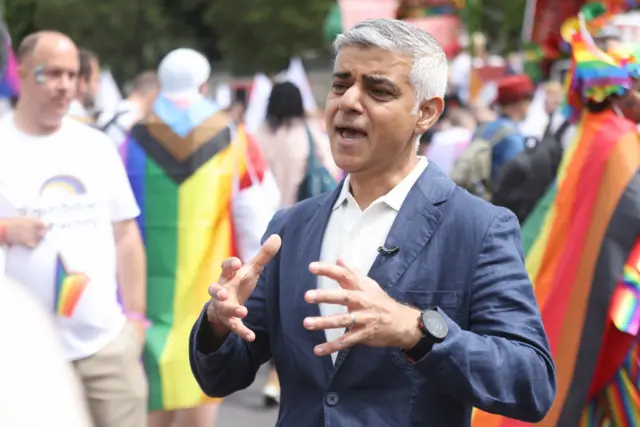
399,299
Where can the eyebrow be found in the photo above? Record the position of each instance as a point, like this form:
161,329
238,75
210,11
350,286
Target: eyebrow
379,80
372,79
343,75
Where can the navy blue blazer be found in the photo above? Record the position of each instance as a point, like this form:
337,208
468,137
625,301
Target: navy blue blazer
457,252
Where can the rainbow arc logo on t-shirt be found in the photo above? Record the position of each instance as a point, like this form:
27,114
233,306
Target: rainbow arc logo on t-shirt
69,289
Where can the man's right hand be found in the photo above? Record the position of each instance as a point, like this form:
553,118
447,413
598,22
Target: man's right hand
226,308
25,231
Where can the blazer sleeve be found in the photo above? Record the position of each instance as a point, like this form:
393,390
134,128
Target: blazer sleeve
503,363
222,367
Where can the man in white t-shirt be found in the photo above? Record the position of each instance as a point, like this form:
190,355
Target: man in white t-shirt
69,218
117,122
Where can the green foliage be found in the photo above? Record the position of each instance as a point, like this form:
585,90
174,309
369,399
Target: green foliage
264,34
500,20
133,35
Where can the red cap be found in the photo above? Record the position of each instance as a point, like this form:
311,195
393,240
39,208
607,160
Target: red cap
514,88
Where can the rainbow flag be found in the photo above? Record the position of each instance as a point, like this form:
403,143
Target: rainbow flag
576,243
184,165
9,83
68,289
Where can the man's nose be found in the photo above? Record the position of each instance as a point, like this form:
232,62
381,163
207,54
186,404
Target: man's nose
66,82
351,100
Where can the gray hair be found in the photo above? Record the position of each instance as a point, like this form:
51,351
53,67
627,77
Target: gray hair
429,72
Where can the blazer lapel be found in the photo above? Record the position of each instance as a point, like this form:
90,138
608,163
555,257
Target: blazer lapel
416,222
312,231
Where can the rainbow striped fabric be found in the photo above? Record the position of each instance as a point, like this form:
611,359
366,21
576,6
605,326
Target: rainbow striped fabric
69,288
625,305
618,405
182,164
576,243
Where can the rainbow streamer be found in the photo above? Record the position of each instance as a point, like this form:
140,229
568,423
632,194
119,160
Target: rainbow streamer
619,403
9,82
69,289
625,306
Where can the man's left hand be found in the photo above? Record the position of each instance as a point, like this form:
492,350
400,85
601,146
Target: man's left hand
373,318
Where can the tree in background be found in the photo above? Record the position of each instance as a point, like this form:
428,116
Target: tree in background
501,21
264,34
130,36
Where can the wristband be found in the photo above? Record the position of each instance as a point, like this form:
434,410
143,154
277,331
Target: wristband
138,317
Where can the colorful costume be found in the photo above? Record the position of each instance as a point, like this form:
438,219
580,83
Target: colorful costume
199,182
582,245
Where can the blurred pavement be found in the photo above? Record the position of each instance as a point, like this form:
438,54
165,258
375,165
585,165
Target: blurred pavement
245,408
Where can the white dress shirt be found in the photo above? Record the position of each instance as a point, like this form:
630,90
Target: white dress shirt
354,235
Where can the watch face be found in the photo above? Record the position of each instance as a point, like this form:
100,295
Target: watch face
435,324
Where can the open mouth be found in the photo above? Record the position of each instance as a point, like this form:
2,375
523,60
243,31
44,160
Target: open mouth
350,133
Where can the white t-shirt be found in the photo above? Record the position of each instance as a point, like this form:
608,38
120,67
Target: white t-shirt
74,181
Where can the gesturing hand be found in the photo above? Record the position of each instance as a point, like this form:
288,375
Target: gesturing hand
374,318
226,308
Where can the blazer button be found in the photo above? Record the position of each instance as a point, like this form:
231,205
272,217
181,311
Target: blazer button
332,399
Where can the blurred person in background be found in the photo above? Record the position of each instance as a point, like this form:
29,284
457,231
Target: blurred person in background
237,109
476,55
447,144
69,222
481,113
206,194
118,122
285,140
57,400
515,94
88,86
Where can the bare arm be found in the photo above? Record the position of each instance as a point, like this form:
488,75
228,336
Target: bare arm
131,266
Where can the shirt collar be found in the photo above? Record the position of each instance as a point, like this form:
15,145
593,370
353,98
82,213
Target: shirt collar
393,198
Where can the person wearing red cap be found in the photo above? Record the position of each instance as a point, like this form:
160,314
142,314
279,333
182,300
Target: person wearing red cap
514,97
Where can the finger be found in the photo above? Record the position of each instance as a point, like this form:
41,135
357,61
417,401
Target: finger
241,330
229,268
40,225
337,321
348,340
266,253
346,278
218,292
334,296
230,309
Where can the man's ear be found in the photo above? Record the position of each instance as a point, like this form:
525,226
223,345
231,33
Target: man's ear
429,113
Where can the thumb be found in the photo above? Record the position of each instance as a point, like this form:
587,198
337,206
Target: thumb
267,251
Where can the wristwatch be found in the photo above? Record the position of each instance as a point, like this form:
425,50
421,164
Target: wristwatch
434,329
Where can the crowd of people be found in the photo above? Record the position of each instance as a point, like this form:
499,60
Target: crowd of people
418,257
